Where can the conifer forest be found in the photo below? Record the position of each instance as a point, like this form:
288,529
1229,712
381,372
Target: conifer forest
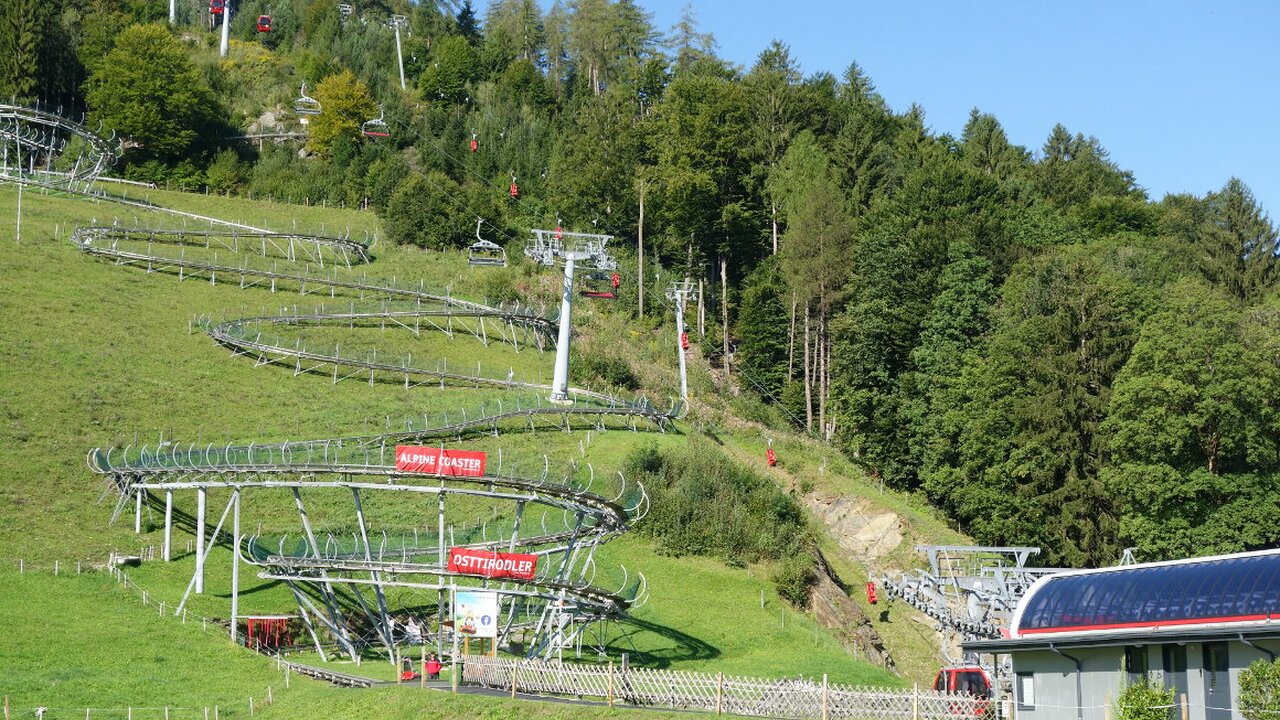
1021,335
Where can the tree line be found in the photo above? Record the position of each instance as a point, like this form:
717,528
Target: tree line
1021,335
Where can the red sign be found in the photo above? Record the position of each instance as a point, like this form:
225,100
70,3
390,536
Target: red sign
492,564
438,461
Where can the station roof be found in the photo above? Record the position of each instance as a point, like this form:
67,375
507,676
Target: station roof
1224,594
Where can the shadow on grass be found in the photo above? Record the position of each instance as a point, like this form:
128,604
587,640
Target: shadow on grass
682,647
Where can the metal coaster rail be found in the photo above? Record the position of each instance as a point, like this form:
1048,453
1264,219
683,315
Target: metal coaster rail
46,156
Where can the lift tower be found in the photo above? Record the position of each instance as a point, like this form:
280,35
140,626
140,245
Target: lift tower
554,247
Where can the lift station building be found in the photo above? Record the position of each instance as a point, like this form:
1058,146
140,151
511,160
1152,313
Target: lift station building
1078,638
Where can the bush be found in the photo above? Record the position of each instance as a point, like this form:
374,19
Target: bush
1144,701
599,368
1260,691
226,172
705,504
795,578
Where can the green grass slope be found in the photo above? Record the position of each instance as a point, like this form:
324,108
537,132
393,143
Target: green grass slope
95,355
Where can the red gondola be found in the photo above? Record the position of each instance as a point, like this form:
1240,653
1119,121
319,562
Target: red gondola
684,341
475,144
264,23
771,457
515,189
216,6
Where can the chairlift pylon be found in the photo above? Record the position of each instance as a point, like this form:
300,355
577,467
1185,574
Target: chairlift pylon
375,128
305,106
484,252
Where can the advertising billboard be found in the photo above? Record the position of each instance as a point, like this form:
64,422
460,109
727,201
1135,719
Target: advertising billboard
475,613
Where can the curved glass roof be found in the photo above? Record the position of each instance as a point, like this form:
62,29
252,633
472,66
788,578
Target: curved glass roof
1233,588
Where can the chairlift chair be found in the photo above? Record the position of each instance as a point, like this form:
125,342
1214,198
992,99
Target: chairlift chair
345,10
602,286
375,128
484,252
264,23
305,105
217,6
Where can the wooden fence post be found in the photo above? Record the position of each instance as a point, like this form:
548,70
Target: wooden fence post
915,702
422,676
1185,709
6,707
609,696
826,713
250,707
399,667
514,666
719,692
1106,708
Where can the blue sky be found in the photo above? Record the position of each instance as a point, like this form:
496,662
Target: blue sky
1184,94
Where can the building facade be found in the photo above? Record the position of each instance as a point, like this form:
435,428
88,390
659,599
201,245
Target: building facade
1079,638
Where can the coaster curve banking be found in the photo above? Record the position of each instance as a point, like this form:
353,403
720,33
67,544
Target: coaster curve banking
552,609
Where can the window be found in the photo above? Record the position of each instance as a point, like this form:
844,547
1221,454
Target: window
1135,661
1026,691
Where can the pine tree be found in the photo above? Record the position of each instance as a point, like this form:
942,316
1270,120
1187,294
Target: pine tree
761,331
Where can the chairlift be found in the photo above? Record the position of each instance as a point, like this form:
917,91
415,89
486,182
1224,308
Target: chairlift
264,23
375,128
484,252
217,6
515,189
475,144
345,10
305,105
602,286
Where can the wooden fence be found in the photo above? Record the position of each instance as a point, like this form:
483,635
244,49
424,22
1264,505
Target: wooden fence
718,693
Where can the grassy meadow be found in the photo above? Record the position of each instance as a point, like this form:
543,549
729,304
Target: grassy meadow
95,355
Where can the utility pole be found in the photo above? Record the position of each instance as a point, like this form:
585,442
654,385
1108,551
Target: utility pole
173,13
680,293
395,22
226,25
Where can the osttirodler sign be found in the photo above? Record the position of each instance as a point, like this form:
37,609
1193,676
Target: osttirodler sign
475,613
439,461
490,564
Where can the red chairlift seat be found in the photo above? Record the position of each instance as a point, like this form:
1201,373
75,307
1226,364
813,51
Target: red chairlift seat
515,189
376,128
216,6
264,23
601,286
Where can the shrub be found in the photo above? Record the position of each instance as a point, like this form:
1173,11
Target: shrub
705,504
607,369
1260,691
1144,701
795,578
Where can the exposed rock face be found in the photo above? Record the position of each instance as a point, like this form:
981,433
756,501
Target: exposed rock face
835,611
863,535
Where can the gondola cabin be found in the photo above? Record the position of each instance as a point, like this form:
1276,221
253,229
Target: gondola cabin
217,6
264,23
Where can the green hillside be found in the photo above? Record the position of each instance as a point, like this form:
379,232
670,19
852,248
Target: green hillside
97,354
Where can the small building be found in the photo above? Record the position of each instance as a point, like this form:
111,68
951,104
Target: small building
1078,638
